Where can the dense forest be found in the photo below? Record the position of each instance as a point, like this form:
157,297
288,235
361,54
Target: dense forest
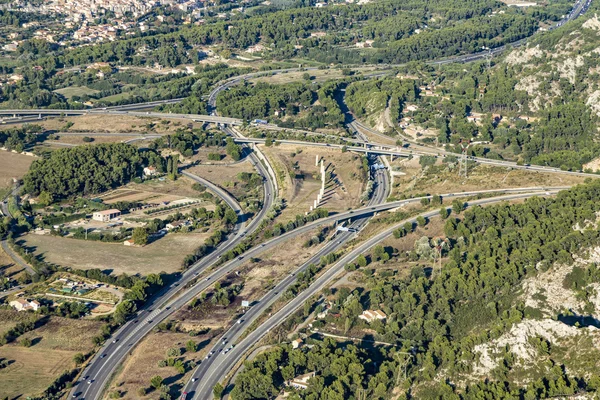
305,104
85,170
441,318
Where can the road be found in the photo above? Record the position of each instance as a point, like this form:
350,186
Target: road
223,194
381,149
206,375
101,367
161,306
4,244
223,362
112,354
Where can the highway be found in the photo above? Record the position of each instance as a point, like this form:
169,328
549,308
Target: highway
382,149
223,362
161,306
100,369
201,383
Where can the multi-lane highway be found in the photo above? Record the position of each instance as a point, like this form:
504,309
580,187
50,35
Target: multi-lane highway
214,369
111,355
103,365
205,376
96,375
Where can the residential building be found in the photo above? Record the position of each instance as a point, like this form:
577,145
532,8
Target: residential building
297,343
301,381
150,171
106,215
24,305
372,315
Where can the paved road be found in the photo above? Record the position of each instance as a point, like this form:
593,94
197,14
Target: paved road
223,362
223,194
205,377
98,372
382,149
164,304
17,258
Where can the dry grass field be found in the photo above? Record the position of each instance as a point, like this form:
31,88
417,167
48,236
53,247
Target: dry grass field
142,365
115,124
165,254
441,179
226,176
33,369
301,178
12,165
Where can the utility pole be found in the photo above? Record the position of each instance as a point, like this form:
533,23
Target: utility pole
463,167
488,57
402,364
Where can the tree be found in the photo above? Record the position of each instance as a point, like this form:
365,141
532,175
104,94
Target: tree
78,359
26,342
362,261
444,212
140,236
421,221
45,198
124,310
191,346
218,390
230,217
458,206
156,381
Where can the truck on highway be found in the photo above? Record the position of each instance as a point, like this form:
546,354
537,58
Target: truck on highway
260,122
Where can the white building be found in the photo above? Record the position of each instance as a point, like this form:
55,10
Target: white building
372,315
24,305
106,215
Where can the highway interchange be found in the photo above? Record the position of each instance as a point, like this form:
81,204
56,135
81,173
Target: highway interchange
96,376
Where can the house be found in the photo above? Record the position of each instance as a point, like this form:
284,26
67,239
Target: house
150,171
372,315
176,225
106,215
301,381
297,343
129,242
24,305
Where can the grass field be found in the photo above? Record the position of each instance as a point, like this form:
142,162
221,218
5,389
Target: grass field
441,179
165,254
71,91
224,175
300,193
142,365
33,369
12,165
115,123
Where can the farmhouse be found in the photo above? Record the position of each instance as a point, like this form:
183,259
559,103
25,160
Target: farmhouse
24,305
106,215
372,315
301,381
150,171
